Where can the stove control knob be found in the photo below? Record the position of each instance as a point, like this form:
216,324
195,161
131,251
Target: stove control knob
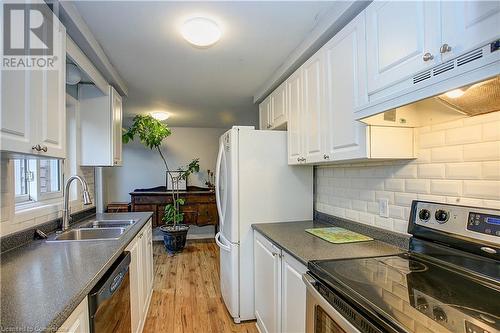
441,216
424,215
422,304
439,314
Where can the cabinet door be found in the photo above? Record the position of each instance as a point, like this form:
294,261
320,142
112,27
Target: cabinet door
313,80
116,109
267,273
279,106
346,90
78,320
135,284
149,258
145,255
294,113
52,111
469,24
16,123
398,35
265,113
293,291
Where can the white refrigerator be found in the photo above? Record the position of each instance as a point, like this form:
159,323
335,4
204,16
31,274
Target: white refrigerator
254,184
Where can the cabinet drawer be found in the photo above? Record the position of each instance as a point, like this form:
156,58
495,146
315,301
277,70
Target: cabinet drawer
207,214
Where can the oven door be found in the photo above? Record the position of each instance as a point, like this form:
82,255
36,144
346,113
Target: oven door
321,316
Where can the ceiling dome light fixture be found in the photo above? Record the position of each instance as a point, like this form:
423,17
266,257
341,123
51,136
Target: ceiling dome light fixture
160,115
201,31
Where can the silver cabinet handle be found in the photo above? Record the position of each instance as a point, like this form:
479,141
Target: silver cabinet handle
269,126
44,149
428,56
36,147
298,159
326,157
274,254
445,48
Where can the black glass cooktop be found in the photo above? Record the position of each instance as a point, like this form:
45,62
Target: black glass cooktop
413,294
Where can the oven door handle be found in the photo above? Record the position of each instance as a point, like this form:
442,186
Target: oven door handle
310,281
320,301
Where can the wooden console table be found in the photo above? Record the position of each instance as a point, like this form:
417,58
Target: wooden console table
199,208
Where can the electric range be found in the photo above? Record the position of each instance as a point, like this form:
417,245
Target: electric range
449,280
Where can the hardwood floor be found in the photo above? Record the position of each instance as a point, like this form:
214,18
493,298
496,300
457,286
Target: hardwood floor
186,293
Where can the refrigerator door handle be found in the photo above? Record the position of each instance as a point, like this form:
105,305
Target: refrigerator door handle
221,244
217,187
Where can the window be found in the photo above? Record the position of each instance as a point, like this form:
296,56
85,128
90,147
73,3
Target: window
37,180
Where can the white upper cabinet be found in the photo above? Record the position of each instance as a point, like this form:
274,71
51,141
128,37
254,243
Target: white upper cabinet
467,25
403,38
101,126
33,117
295,126
346,89
279,118
265,113
313,79
273,110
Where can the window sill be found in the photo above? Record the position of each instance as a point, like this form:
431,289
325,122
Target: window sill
44,211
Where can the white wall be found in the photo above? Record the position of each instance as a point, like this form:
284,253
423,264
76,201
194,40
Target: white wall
458,162
143,168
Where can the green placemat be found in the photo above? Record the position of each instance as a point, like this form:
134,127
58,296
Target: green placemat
338,235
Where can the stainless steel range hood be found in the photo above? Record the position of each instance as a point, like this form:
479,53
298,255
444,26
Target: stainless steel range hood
470,100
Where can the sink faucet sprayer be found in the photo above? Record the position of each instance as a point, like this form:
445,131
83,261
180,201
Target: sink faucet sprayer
85,197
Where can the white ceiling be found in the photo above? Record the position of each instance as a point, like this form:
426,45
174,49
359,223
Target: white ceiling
200,87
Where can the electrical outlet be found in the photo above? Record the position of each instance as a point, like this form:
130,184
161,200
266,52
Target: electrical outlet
383,207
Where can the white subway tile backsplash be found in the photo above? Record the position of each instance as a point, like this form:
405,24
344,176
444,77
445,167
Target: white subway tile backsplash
431,170
446,187
417,185
486,151
431,197
482,189
457,162
467,170
491,131
491,170
447,154
463,135
394,184
385,223
405,171
432,139
404,199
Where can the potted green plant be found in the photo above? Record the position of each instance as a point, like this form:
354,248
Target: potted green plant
174,232
151,133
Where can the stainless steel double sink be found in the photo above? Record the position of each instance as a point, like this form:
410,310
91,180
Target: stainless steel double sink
95,230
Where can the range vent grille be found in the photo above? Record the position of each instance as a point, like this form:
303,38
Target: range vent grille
468,57
443,68
449,65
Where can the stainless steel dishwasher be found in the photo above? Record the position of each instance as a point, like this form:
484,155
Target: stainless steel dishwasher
109,300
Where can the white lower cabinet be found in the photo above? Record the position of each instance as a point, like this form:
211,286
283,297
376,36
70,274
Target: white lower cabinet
280,294
141,276
293,295
78,320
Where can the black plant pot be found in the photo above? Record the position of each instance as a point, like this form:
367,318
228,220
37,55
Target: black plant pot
174,238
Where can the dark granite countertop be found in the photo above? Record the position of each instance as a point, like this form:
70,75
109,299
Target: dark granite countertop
42,283
292,238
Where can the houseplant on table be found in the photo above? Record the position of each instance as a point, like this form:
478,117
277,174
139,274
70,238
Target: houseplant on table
151,133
